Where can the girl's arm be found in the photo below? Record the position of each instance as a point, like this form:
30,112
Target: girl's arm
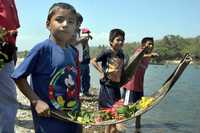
40,106
97,66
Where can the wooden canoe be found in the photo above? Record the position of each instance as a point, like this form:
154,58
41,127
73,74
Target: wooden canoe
158,96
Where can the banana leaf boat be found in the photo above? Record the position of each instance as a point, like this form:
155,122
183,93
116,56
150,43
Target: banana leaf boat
155,98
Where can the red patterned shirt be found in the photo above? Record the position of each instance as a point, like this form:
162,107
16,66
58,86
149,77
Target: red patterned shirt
9,18
137,81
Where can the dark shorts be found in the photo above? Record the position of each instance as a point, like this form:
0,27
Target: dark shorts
134,96
85,78
108,95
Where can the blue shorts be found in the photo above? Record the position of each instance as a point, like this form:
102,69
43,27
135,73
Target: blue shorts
8,100
108,95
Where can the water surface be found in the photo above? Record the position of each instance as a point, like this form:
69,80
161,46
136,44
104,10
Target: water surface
179,111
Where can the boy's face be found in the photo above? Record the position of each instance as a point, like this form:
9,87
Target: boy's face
149,44
62,25
117,43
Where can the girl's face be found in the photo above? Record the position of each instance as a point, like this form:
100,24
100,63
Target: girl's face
62,25
117,43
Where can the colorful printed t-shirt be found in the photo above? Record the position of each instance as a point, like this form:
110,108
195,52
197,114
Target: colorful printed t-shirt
44,61
112,65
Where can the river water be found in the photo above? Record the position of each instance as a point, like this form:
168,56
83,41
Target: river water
179,111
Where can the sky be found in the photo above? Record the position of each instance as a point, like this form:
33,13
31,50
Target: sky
138,18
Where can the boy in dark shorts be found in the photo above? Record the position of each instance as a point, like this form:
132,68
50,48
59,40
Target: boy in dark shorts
112,64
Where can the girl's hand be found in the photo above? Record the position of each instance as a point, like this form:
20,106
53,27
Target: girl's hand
42,108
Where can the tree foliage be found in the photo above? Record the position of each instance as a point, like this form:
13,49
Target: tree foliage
170,47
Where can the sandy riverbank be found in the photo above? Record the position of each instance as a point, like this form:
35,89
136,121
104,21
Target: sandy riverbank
24,122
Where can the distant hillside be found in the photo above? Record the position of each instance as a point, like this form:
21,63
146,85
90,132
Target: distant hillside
170,47
22,54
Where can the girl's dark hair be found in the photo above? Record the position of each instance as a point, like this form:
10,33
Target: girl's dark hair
116,32
53,8
145,39
79,17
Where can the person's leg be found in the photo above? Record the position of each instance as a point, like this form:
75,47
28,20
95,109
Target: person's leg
87,79
123,92
116,94
137,125
137,96
137,122
106,96
82,78
8,104
113,129
7,118
107,129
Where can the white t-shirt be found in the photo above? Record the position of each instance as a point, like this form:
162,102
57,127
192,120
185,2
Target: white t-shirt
79,47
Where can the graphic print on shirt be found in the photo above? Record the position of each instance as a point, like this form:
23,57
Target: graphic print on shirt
63,89
114,69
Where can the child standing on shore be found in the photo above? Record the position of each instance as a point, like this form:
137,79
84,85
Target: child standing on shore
81,44
45,59
135,85
111,68
77,42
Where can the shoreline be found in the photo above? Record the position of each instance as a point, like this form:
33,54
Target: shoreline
165,62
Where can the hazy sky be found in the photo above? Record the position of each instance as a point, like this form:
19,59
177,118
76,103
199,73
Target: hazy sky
138,18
